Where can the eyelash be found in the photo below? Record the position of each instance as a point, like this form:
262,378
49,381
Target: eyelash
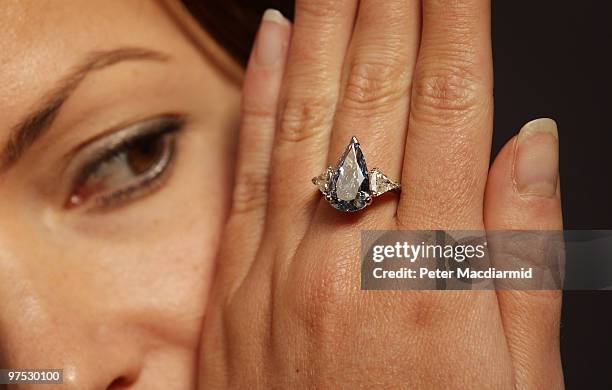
162,130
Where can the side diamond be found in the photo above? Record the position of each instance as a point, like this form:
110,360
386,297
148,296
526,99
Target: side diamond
380,183
322,181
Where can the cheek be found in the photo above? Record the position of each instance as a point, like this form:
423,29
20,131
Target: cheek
164,286
155,288
155,278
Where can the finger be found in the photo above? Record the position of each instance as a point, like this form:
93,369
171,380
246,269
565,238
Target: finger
449,132
523,193
377,74
260,96
321,32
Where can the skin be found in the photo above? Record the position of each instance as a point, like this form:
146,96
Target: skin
286,308
119,297
115,297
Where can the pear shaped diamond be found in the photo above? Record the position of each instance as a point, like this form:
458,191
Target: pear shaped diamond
349,186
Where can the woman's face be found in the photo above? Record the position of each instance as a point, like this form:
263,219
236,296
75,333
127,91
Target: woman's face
116,140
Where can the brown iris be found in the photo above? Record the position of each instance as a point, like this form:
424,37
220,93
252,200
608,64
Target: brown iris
144,154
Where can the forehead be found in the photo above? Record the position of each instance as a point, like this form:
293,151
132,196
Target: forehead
40,40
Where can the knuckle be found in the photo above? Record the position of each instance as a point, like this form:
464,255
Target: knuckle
445,92
372,86
250,192
303,118
324,297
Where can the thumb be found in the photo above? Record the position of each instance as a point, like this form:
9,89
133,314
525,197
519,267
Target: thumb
522,193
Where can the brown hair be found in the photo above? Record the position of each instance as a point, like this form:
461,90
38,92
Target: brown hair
233,23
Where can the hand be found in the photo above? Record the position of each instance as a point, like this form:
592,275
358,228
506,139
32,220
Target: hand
286,308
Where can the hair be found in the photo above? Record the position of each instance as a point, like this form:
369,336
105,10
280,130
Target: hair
234,23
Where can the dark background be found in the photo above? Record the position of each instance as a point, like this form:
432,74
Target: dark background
552,58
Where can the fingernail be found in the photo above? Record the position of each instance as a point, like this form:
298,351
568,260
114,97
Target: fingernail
536,159
271,41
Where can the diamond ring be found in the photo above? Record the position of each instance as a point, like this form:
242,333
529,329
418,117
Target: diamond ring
349,186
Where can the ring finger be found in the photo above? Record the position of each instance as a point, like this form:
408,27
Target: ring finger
374,99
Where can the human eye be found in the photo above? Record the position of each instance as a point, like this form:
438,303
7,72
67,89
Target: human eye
127,164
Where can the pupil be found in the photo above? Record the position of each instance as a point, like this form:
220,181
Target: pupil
144,154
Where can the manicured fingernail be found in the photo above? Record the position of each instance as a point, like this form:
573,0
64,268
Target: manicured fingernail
271,42
536,159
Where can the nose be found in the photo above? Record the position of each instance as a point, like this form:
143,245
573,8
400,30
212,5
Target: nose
40,330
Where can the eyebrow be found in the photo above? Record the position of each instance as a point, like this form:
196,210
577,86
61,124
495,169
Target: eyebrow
26,132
